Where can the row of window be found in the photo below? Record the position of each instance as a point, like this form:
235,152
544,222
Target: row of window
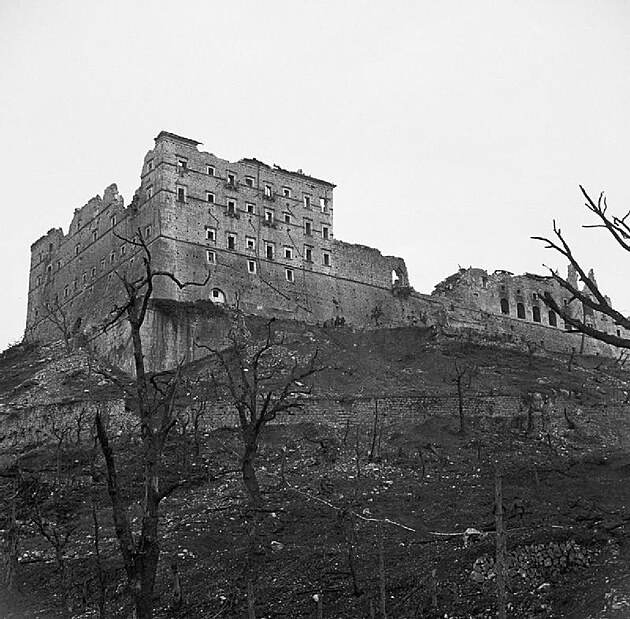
232,207
270,251
112,260
536,316
289,274
250,181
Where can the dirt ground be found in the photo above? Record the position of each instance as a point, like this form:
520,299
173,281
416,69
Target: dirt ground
327,514
348,516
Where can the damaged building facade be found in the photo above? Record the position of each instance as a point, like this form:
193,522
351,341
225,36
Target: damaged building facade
261,236
502,304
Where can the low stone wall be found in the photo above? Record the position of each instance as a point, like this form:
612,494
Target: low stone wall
537,561
391,409
71,422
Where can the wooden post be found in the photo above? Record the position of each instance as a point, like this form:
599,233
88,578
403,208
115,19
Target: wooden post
381,574
500,543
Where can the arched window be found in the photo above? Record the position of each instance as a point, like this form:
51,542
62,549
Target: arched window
217,296
536,313
505,306
553,321
520,310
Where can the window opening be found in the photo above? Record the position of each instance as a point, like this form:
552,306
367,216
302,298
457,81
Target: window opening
520,310
210,197
231,241
536,313
251,266
326,258
505,306
289,274
217,295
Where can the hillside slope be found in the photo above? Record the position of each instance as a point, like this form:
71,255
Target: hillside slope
336,494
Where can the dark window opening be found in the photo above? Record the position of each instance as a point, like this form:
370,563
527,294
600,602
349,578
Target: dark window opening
536,313
520,310
181,194
231,242
505,306
553,320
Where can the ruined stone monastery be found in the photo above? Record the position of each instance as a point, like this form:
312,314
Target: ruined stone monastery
265,236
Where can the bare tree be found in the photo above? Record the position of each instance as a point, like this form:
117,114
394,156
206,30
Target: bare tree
155,397
262,381
57,316
462,376
590,296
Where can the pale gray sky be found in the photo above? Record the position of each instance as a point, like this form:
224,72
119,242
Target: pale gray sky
454,130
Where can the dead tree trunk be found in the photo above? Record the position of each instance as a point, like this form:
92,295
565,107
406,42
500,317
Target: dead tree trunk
374,431
500,543
381,575
248,467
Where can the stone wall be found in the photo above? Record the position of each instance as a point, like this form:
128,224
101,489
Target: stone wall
259,236
71,422
503,306
535,561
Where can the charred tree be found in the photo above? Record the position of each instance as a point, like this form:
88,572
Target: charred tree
262,381
589,296
154,397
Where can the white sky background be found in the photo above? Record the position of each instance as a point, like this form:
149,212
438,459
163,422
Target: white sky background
454,130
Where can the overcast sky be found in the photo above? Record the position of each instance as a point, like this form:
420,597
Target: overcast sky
454,130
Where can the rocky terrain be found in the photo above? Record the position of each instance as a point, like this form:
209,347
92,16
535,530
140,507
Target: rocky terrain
365,506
